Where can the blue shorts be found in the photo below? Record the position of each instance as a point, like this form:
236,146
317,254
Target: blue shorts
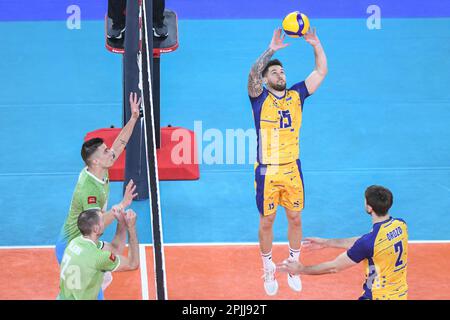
59,251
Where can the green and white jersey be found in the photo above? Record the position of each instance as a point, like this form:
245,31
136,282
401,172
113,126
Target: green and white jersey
90,192
82,269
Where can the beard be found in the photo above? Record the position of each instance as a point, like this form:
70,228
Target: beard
278,86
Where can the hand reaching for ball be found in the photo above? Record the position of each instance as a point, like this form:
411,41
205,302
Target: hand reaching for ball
277,40
311,37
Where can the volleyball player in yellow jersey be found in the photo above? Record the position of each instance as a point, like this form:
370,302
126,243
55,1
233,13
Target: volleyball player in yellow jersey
384,251
278,177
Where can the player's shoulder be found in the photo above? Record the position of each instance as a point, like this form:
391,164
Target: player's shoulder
83,179
400,220
91,250
80,240
401,224
363,248
77,245
299,86
261,97
368,239
394,223
87,181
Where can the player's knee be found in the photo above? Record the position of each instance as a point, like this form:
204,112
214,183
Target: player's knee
295,220
266,222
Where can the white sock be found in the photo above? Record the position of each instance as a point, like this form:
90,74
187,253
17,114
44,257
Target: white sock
267,260
294,254
107,279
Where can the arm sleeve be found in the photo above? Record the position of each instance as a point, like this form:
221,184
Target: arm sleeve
302,90
100,244
258,101
107,261
260,98
361,249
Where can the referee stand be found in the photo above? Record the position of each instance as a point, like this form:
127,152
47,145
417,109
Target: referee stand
132,163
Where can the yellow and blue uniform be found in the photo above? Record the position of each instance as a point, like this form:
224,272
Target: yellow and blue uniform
278,174
385,254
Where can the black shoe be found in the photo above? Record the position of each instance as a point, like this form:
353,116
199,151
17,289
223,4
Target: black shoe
116,32
160,30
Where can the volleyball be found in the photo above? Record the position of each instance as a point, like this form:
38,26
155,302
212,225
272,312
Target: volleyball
295,24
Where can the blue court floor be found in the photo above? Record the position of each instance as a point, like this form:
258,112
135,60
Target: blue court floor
381,117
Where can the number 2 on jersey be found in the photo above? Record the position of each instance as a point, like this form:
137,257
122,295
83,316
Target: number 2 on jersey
399,250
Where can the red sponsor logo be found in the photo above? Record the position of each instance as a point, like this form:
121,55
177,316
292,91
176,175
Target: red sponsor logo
112,257
92,200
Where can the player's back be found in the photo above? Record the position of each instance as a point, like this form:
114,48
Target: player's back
390,259
80,278
385,254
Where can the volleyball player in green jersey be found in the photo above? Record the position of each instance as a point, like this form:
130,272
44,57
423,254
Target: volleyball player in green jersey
92,189
86,258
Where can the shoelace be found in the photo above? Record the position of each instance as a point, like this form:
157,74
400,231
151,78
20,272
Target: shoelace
269,275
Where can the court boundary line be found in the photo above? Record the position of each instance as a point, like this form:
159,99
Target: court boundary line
243,169
205,244
143,270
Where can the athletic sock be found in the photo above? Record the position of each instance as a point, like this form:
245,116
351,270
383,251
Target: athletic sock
294,254
267,260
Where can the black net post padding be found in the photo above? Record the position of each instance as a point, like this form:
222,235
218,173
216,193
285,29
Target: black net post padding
156,80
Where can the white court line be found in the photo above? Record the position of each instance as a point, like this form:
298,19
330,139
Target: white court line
37,174
143,267
206,244
27,247
428,241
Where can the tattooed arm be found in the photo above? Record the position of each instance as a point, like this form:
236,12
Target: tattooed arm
125,134
255,79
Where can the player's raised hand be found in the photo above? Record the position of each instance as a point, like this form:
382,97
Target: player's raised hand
292,267
135,104
119,213
129,194
311,37
314,243
130,218
277,40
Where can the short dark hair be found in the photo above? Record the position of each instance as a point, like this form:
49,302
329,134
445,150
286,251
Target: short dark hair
89,147
380,199
87,220
274,62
